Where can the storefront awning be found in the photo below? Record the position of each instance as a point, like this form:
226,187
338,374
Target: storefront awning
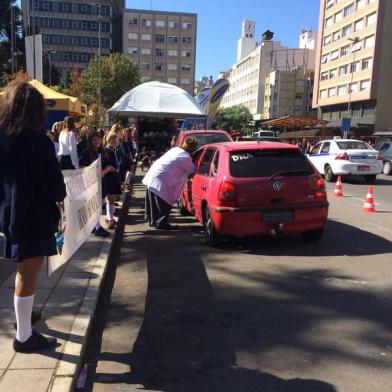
308,133
293,122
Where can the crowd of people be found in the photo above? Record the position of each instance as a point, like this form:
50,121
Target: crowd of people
117,146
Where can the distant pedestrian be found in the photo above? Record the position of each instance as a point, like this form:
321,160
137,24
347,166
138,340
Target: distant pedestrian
31,185
165,180
68,153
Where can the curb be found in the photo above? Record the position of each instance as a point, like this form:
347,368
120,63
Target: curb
66,372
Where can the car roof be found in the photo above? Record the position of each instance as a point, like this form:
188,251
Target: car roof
252,145
342,140
201,131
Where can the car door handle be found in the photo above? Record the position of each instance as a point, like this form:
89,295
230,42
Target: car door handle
203,187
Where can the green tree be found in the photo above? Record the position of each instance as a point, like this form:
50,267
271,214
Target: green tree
64,81
235,118
119,74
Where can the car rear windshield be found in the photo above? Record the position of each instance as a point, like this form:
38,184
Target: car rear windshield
353,145
267,163
203,139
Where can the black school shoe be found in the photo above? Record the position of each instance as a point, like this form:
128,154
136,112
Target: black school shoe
35,342
35,317
101,232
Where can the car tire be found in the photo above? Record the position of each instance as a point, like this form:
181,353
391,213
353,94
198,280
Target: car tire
387,168
370,179
328,174
211,236
181,209
312,236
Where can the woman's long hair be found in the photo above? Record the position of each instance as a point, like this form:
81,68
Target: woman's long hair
68,124
22,109
90,147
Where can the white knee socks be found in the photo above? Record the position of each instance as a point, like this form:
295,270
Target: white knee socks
109,211
23,309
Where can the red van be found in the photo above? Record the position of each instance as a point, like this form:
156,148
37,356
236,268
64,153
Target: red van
255,188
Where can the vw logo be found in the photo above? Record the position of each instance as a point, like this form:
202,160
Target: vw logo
277,186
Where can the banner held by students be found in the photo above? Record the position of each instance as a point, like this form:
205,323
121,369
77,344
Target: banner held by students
80,211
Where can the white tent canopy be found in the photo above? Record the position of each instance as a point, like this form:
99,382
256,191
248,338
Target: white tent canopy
155,99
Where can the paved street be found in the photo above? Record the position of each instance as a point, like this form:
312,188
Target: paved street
257,315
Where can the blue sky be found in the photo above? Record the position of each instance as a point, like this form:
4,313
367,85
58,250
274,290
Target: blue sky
219,24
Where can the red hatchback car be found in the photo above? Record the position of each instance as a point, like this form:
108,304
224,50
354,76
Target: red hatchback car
255,188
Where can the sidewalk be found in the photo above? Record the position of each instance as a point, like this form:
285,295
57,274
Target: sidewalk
67,300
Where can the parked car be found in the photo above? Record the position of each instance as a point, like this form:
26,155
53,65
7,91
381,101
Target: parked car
342,157
385,149
255,188
204,137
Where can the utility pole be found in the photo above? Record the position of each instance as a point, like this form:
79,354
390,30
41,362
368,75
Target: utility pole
99,63
12,38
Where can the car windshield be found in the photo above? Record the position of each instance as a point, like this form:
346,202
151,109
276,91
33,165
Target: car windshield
269,163
353,145
208,138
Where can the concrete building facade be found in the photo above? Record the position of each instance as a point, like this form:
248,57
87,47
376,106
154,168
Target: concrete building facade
163,44
247,76
205,81
70,30
288,93
354,62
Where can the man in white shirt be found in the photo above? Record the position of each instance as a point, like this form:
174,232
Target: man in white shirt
165,181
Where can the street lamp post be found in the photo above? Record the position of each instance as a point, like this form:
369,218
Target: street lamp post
49,53
99,63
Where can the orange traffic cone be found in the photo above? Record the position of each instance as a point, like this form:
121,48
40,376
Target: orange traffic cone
338,188
369,202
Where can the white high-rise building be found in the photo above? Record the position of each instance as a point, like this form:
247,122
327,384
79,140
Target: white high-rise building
308,39
247,42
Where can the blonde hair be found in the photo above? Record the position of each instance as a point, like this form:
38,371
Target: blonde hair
110,138
57,127
116,128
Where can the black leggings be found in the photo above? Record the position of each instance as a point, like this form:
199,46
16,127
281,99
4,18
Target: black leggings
66,162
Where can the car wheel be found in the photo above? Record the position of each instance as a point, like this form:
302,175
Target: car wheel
387,168
370,179
312,236
328,174
181,209
212,237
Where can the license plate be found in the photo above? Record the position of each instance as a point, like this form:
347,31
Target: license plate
363,168
281,216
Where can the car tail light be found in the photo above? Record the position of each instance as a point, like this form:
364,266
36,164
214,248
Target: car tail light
320,189
379,157
342,157
227,194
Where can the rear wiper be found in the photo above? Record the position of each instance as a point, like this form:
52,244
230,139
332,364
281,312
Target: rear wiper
290,173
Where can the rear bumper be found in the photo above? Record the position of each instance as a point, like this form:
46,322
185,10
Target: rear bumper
248,221
354,169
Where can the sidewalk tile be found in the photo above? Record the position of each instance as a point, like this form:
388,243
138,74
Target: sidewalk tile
7,317
73,280
62,384
7,297
6,352
26,380
45,359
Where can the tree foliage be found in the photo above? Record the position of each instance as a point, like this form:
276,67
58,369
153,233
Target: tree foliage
235,118
119,74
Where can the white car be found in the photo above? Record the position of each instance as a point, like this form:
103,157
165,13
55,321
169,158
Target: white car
342,157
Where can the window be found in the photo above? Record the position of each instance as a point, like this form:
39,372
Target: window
324,75
205,164
333,73
334,55
347,30
146,51
186,40
187,25
84,25
146,22
327,39
56,23
355,67
328,22
345,50
186,53
159,38
172,67
159,52
83,8
338,16
172,39
337,35
215,165
354,87
361,4
64,7
146,37
172,80
172,52
348,10
367,63
371,19
159,67
55,7
359,25
74,40
332,91
174,25
146,65
342,90
185,81
325,148
132,50
94,42
365,85
343,70
84,41
324,59
65,56
94,26
330,3
356,46
185,67
132,35
45,38
160,23
369,42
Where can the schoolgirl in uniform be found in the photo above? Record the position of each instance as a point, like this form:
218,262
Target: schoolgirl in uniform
68,153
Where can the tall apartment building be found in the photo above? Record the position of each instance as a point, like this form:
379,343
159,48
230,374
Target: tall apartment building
288,93
70,29
205,81
163,44
354,63
255,62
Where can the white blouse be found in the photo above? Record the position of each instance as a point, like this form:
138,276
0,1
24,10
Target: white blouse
68,146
